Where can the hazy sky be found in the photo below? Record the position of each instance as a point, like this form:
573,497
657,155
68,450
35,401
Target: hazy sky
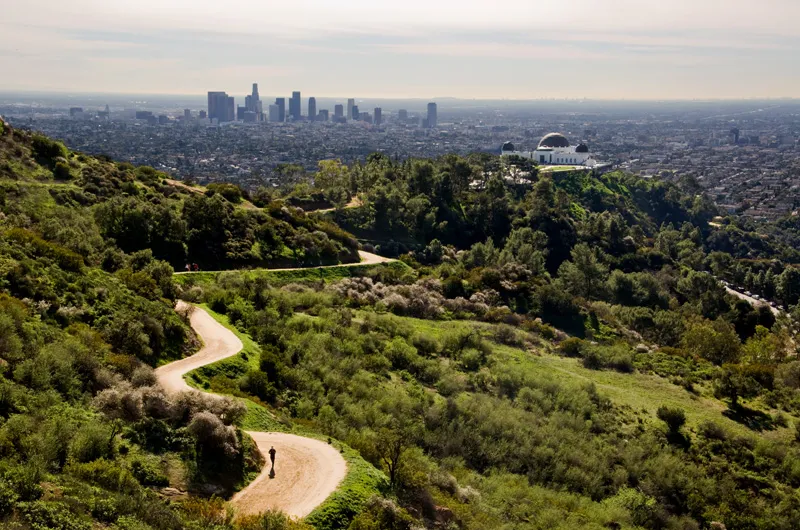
516,49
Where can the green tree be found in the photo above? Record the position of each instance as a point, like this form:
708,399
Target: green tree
715,341
585,274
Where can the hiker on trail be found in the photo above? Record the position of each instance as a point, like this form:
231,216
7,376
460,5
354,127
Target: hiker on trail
188,268
272,455
196,268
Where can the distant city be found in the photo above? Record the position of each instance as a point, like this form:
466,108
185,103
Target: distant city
222,109
746,154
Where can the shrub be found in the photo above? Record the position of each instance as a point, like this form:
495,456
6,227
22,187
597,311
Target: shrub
571,347
675,418
8,497
593,360
46,148
92,442
62,171
712,431
148,474
213,436
51,516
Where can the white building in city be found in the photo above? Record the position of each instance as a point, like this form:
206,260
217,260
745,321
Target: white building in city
554,150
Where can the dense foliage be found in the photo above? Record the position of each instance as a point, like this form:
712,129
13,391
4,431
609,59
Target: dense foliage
561,352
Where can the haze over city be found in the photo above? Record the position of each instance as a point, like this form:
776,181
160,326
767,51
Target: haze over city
516,49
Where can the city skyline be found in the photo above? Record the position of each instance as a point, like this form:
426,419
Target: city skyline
569,49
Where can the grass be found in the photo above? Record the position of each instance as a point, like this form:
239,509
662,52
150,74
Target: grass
326,274
638,391
362,480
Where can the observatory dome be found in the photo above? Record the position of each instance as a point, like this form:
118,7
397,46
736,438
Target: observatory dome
554,140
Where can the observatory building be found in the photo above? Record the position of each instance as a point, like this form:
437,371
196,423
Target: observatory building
554,150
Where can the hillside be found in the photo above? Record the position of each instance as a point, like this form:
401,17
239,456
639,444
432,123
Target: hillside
563,356
551,351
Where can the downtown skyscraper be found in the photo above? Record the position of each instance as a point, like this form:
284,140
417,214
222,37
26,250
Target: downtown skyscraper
221,107
252,103
433,118
312,109
294,106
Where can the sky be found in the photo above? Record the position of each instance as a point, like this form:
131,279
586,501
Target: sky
493,49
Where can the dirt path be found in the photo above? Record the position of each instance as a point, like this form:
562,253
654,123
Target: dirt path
307,471
367,258
355,202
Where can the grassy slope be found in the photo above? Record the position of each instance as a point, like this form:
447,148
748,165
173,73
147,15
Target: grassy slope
362,480
641,392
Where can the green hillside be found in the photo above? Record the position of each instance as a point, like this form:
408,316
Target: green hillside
551,351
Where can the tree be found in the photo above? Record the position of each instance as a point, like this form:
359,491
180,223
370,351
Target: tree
333,178
391,444
675,418
789,286
715,341
731,383
585,274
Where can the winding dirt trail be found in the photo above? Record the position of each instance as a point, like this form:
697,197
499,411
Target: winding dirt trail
367,258
306,471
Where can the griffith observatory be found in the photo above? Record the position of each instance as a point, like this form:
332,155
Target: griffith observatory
554,150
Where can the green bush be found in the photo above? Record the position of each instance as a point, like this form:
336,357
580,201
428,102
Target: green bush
41,515
62,171
675,418
47,148
105,474
148,474
8,498
571,347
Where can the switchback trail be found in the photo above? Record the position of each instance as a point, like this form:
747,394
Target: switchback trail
307,471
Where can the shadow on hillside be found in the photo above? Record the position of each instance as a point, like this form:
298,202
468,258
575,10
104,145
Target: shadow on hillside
752,419
678,439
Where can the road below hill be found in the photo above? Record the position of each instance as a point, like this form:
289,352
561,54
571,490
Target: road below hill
306,470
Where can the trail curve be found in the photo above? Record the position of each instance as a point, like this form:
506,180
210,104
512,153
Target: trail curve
307,471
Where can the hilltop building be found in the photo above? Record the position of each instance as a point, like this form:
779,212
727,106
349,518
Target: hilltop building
554,150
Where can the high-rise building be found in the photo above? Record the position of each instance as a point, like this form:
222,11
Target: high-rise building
294,106
203,115
281,103
378,116
432,115
323,115
354,114
187,114
402,115
312,109
218,106
230,114
350,104
75,111
253,103
274,115
338,111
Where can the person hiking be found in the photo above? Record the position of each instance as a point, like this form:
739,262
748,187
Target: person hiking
272,452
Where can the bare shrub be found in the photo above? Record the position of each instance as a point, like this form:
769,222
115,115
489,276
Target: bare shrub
213,435
143,376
